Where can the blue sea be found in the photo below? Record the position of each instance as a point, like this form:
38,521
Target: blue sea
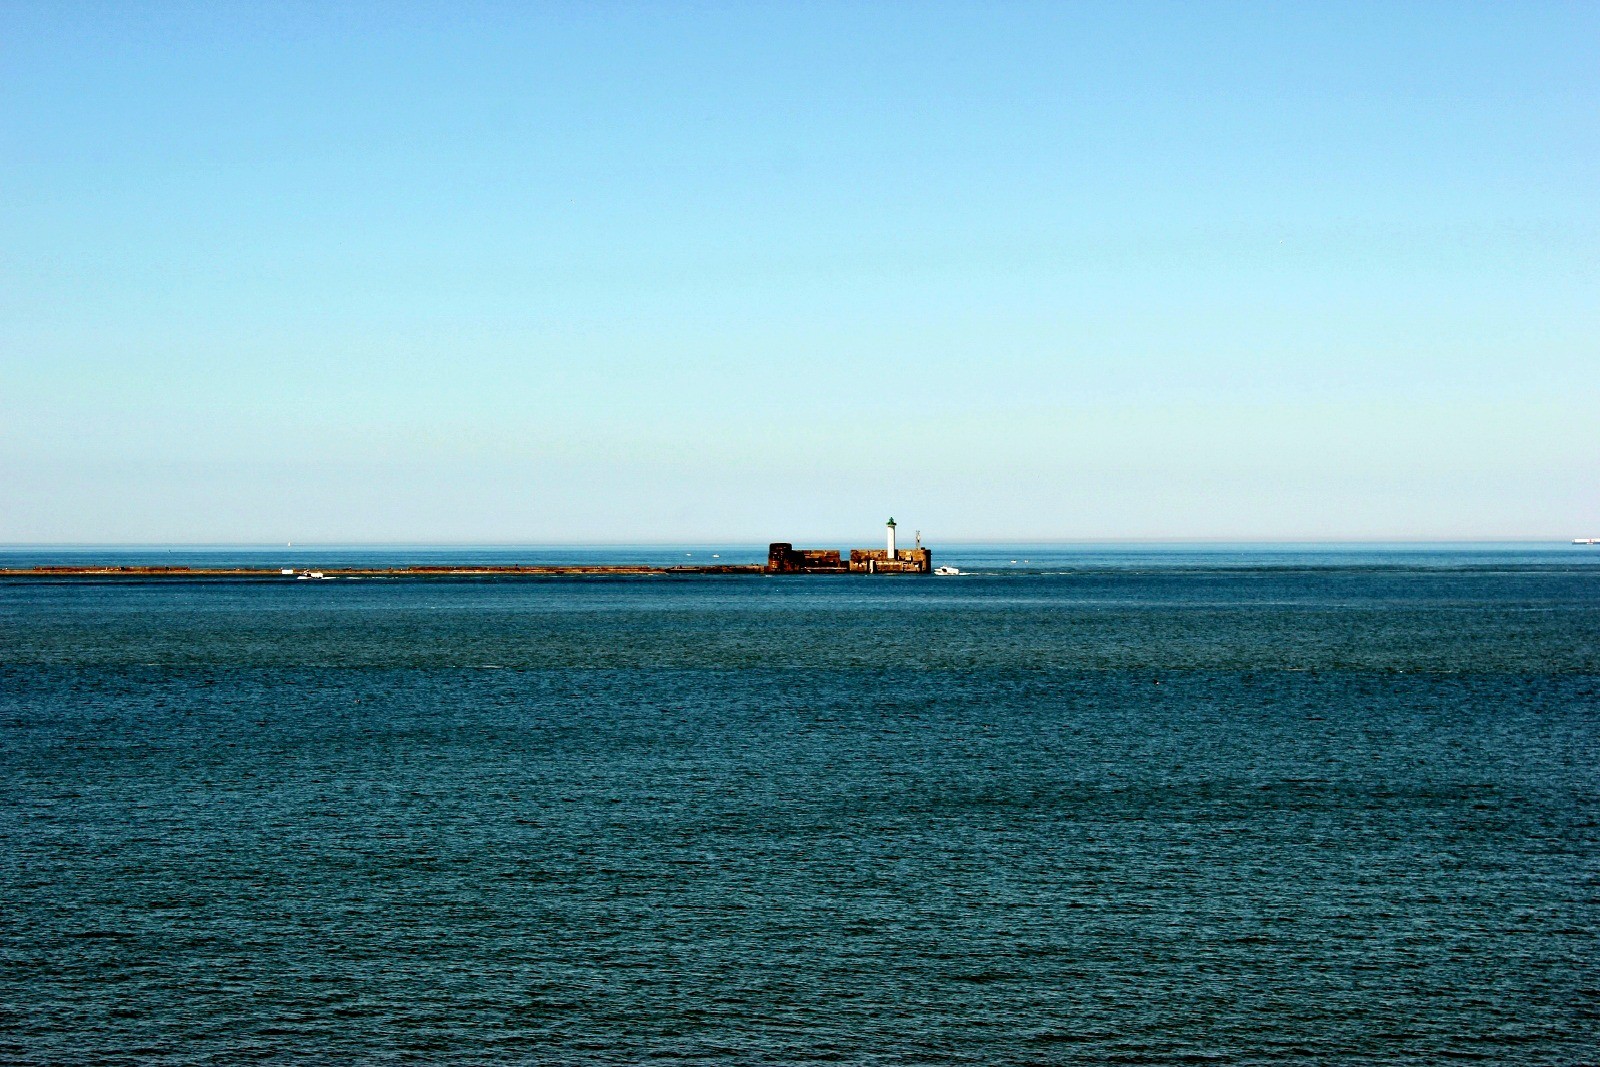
1232,804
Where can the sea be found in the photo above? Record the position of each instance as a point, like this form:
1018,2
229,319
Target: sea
1079,804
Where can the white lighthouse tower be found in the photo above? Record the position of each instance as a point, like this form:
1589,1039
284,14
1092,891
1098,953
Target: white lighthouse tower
891,537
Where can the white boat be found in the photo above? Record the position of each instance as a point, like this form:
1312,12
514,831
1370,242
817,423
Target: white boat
946,570
1586,540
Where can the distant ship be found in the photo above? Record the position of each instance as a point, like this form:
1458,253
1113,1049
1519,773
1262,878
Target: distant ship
1586,540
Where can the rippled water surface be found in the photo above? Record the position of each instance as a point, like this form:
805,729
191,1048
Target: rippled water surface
1148,805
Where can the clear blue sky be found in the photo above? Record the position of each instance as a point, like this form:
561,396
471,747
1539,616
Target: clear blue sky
647,272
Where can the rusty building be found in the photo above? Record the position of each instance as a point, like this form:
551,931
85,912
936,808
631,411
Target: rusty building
878,561
784,558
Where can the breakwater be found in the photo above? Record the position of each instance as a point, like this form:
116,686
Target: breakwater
460,571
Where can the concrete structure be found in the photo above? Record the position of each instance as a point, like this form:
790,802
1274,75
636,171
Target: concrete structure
879,561
784,558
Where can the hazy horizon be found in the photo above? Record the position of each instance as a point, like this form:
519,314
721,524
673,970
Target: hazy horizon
825,540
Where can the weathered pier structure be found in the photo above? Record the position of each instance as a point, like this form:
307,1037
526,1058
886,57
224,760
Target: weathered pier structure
784,558
464,571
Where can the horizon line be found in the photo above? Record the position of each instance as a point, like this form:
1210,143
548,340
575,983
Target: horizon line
596,543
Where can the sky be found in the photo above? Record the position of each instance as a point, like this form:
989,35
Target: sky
646,272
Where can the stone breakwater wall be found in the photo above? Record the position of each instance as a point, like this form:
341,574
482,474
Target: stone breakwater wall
531,571
782,558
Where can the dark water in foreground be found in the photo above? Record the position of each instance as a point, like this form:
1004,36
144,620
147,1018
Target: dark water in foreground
1177,810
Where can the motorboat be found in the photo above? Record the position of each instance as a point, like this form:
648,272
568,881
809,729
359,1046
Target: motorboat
946,570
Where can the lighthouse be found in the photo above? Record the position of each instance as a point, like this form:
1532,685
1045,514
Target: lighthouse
891,537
